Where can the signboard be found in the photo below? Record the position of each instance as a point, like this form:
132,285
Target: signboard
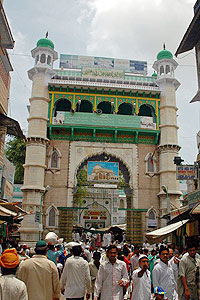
37,217
102,120
102,73
193,198
186,172
79,62
101,171
8,191
152,223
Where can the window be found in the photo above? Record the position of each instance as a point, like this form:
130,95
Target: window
162,70
121,203
150,163
152,220
105,107
84,106
114,219
52,216
49,60
37,59
43,58
62,105
125,109
167,69
54,160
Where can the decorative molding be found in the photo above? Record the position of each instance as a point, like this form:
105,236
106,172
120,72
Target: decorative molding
39,98
37,118
173,147
103,84
36,140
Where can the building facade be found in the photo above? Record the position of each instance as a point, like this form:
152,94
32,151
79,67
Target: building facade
101,141
6,42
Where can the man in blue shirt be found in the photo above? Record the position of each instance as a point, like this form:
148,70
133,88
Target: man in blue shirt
52,254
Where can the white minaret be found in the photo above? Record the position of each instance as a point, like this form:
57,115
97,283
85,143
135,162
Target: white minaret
34,168
168,147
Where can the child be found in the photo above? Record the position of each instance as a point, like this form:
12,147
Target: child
159,293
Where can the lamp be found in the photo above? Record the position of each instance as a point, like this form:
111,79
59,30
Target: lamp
112,107
165,190
79,104
134,106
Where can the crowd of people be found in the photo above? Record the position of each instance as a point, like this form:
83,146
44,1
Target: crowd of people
84,269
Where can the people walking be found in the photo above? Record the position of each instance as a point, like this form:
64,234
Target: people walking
52,254
187,287
11,288
141,280
135,258
40,275
94,268
163,275
75,280
111,278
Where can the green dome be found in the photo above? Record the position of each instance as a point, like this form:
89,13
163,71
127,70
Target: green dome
45,43
164,54
154,74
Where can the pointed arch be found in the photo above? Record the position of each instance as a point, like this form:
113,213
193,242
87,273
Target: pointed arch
54,159
52,217
150,160
152,218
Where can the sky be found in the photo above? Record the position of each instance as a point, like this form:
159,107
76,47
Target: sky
129,29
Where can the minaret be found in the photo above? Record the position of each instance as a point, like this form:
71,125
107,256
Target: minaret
168,147
34,168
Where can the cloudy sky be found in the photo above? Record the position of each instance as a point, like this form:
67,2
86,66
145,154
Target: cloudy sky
130,29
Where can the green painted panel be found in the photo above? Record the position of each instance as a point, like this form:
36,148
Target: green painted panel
105,120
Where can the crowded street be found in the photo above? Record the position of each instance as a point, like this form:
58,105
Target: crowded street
81,270
99,150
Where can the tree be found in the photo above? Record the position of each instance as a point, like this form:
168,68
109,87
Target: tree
15,151
81,191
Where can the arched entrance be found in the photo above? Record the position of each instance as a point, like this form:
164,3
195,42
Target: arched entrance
95,216
103,180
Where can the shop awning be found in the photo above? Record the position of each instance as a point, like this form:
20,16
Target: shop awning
158,235
191,36
13,127
7,40
195,212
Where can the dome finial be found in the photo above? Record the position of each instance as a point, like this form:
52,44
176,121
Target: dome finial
47,35
164,46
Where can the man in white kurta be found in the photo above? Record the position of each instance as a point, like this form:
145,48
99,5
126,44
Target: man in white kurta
111,277
163,275
142,280
75,279
135,258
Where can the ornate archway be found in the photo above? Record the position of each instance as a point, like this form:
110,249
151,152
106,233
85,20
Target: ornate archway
102,192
